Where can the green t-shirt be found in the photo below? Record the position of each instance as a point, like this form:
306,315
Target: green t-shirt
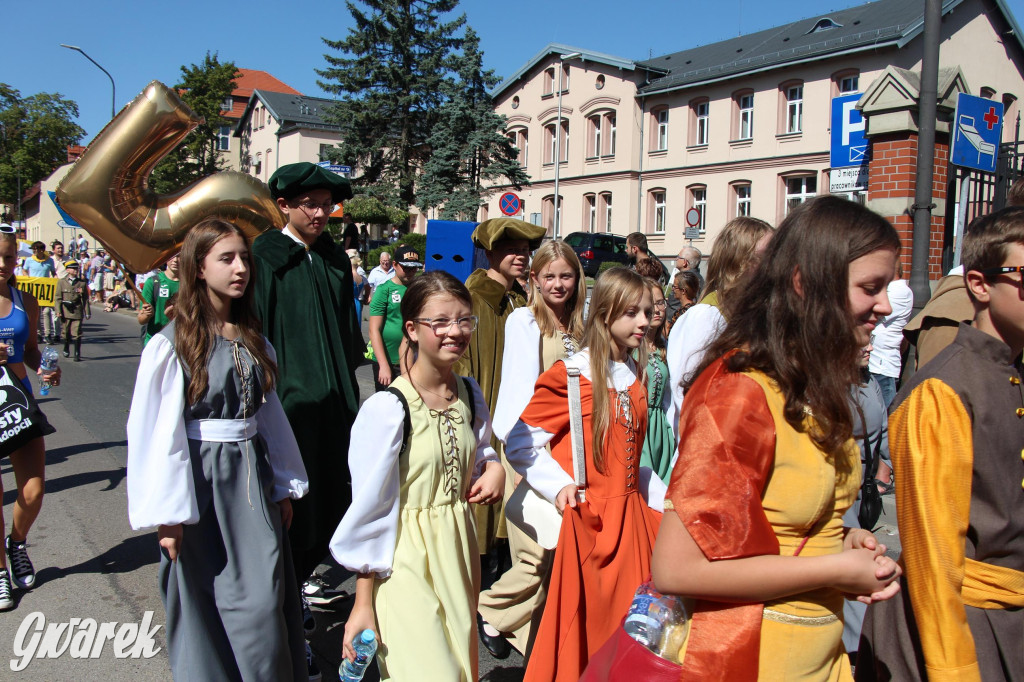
387,303
156,291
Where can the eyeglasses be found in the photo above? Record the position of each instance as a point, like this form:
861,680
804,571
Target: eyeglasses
443,325
661,304
310,207
992,272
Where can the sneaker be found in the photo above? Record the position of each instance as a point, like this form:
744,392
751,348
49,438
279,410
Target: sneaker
6,591
317,593
22,573
311,666
308,621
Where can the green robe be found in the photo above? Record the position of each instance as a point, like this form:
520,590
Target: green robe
308,314
482,361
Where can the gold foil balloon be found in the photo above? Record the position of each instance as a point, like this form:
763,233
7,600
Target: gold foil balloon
107,193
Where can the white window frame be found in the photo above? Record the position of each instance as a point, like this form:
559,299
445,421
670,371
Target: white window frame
703,123
610,122
224,139
746,118
802,193
595,122
660,212
607,211
849,85
699,197
795,109
662,138
591,200
743,194
551,129
228,104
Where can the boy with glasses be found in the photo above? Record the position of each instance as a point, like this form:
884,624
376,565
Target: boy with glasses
303,295
386,325
956,436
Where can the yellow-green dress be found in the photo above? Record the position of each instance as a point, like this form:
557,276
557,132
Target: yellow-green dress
411,525
773,491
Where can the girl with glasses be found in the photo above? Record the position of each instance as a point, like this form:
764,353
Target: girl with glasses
537,336
420,455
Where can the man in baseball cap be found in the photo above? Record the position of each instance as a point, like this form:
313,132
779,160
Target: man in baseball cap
386,337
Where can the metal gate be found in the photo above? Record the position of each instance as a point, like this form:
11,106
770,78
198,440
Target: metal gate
986,191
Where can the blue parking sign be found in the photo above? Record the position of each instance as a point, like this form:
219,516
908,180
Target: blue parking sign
849,143
977,130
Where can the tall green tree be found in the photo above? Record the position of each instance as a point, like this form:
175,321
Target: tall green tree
469,148
390,77
35,133
203,87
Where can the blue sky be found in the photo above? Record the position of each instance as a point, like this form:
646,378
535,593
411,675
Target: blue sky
141,40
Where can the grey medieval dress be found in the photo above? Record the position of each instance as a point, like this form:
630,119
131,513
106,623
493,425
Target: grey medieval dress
231,598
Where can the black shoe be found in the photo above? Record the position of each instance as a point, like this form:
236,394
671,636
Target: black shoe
66,353
497,646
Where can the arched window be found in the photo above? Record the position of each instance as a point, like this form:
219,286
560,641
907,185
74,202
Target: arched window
659,129
698,195
605,216
590,212
699,122
657,210
552,144
743,114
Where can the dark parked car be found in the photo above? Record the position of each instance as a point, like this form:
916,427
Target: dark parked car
594,249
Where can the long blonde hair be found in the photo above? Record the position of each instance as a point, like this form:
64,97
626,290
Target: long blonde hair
615,291
544,256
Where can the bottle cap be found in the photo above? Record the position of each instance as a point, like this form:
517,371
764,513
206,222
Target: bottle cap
367,636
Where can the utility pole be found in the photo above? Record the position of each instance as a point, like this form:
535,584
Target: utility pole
923,204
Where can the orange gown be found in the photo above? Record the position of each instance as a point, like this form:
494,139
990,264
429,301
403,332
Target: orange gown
605,544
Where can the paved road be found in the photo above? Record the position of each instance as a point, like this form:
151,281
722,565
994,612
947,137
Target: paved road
89,562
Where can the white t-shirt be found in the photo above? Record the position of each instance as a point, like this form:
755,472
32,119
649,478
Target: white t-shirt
888,335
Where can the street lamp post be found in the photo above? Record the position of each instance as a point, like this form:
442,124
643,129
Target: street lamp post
113,88
558,138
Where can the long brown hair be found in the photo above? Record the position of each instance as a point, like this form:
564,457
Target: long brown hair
805,342
195,325
614,292
733,254
548,253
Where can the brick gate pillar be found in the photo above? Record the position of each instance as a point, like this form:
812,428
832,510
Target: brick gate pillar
890,108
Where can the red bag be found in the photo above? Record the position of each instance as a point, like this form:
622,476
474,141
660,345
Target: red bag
624,658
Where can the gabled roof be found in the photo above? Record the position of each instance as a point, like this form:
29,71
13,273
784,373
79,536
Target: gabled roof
291,111
584,56
248,80
884,23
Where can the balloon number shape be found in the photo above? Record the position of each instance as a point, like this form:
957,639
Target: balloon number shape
106,191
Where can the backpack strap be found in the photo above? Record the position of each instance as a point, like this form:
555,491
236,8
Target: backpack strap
406,421
472,400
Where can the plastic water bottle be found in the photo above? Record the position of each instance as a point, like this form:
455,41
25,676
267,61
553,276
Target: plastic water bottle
639,625
366,648
658,621
48,363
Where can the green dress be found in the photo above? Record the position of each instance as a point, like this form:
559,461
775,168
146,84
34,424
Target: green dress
660,445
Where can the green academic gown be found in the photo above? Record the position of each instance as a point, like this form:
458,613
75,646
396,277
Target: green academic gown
308,315
482,361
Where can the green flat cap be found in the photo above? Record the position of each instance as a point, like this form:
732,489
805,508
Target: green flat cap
490,232
290,181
